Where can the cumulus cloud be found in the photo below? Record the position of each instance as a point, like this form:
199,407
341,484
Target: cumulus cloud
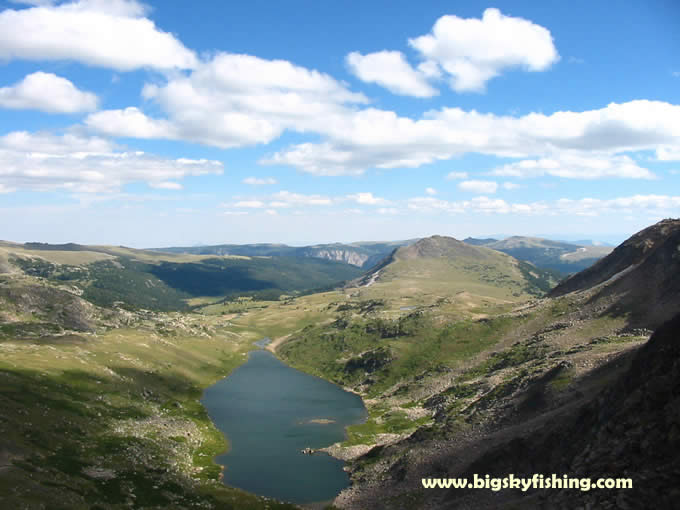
659,204
367,199
48,162
130,122
636,203
257,181
49,143
430,191
115,34
47,92
478,186
473,51
232,101
382,139
576,166
390,69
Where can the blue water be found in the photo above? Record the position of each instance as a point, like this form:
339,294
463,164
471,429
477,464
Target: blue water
264,409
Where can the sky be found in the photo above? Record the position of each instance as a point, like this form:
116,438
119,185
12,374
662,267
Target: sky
180,123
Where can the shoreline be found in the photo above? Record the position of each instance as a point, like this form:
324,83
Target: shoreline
344,454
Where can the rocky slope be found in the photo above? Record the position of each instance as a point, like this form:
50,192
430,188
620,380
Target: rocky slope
571,387
639,278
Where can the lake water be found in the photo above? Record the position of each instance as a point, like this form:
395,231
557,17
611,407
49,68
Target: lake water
266,410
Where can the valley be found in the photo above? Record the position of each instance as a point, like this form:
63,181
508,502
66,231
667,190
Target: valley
461,353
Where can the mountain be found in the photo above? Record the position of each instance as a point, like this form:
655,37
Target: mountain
559,256
588,242
639,278
447,265
464,365
568,384
361,254
479,242
106,275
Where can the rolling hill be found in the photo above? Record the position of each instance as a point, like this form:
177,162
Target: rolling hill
445,267
106,275
463,363
361,254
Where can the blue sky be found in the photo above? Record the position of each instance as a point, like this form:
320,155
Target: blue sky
179,123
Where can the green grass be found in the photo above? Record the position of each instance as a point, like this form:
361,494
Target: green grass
388,352
390,422
164,281
126,402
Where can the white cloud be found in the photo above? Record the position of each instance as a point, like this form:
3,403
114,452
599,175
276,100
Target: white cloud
48,143
70,162
286,198
451,176
47,92
130,122
233,101
668,153
474,50
511,186
234,213
388,210
595,206
250,204
390,69
257,181
478,186
430,191
657,204
166,185
104,33
367,199
576,166
319,159
381,139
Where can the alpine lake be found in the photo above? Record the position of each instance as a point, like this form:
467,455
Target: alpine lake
271,414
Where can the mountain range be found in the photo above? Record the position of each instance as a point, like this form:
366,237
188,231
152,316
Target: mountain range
469,360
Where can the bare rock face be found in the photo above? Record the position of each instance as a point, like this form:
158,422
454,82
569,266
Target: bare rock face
347,256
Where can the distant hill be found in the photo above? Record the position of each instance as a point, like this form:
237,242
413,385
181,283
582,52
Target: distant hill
105,275
479,242
444,265
567,258
638,278
361,254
